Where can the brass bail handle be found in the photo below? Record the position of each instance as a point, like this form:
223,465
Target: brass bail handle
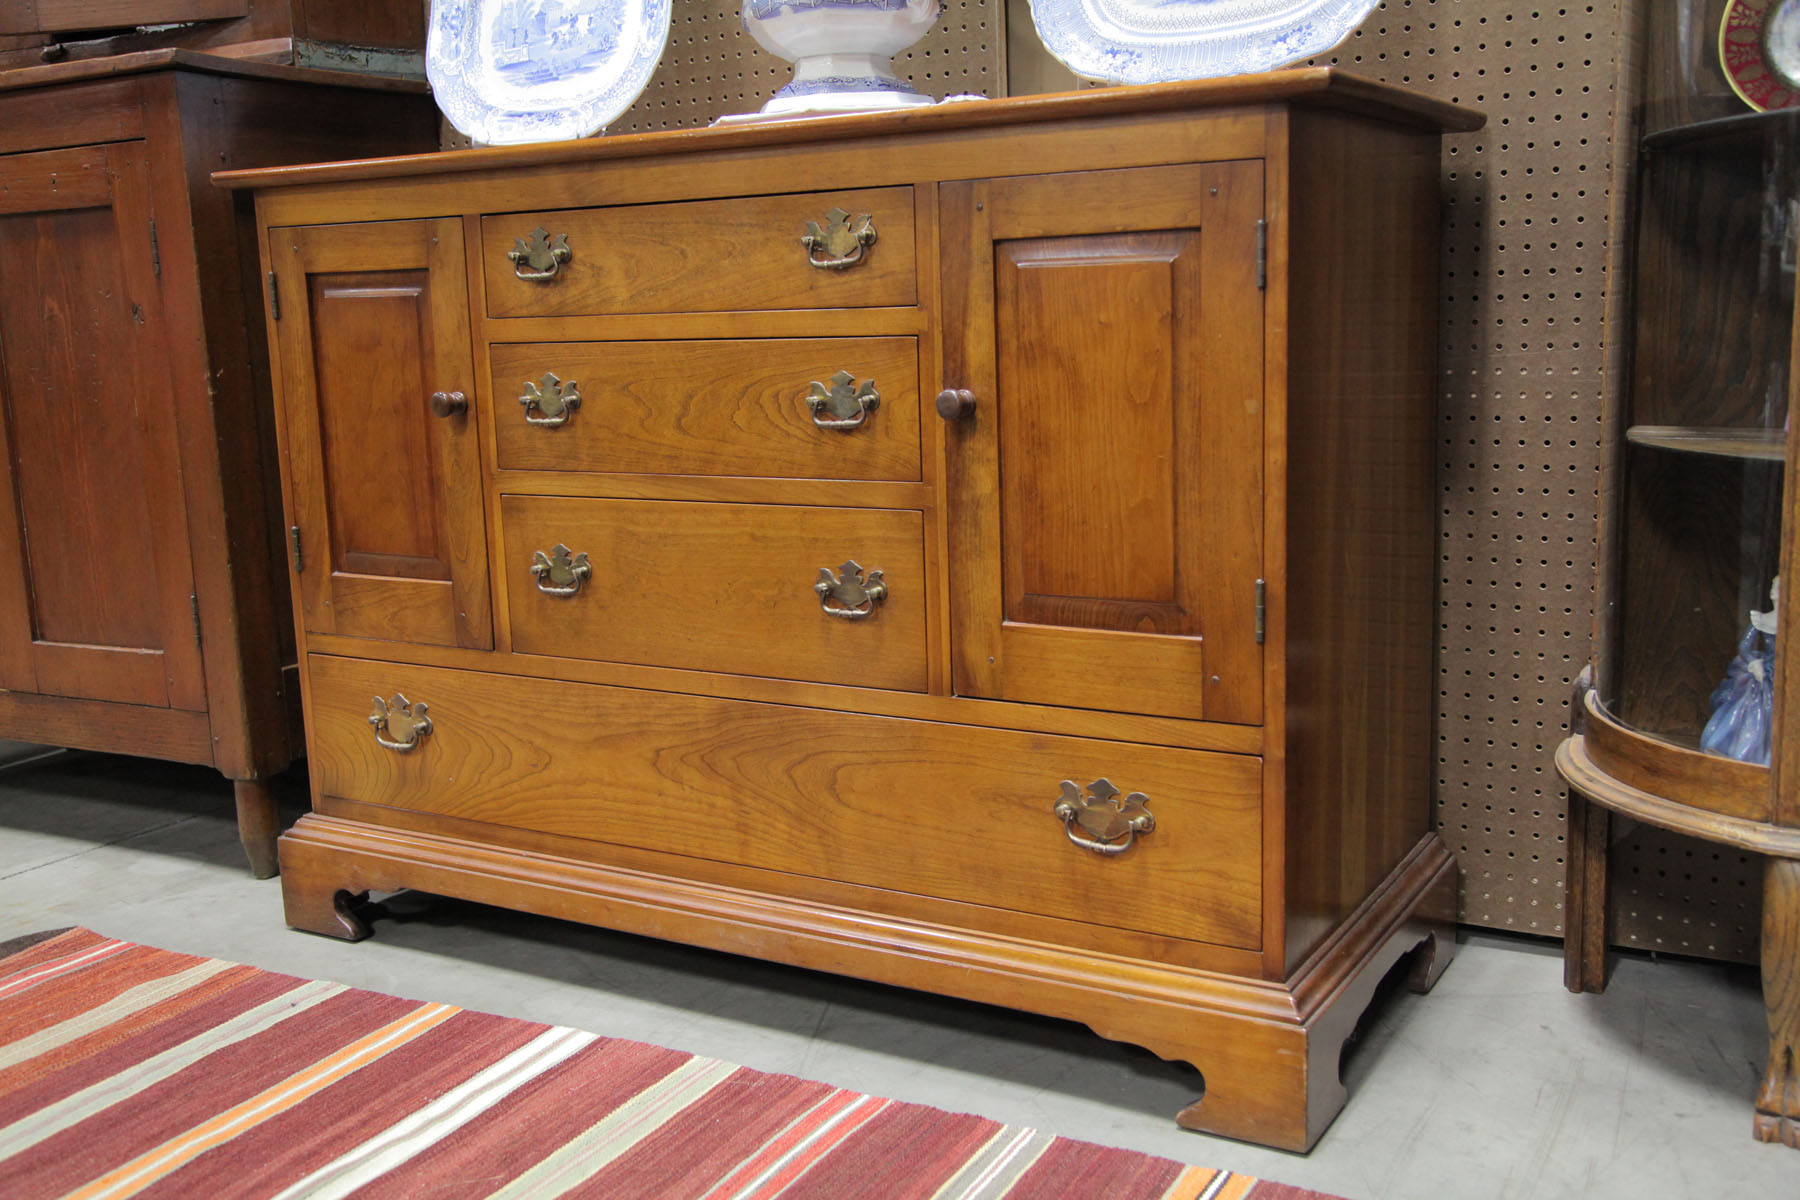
1108,824
400,725
550,401
559,574
839,241
849,595
538,255
841,404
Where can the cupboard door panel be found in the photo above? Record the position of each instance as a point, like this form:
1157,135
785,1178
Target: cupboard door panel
386,491
1115,350
98,592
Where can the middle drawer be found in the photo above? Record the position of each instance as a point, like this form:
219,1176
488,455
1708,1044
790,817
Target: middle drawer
775,408
831,595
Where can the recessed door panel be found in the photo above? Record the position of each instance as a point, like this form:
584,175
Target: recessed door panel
377,382
97,600
1107,486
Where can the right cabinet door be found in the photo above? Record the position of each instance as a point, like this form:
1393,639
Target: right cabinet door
377,386
1105,464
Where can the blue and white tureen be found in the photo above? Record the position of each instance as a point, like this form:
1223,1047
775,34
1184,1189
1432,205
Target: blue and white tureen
840,50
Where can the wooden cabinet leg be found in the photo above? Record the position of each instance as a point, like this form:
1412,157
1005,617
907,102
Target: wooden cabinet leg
1778,1105
1584,896
258,825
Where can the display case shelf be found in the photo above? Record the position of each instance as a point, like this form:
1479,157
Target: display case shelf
1761,445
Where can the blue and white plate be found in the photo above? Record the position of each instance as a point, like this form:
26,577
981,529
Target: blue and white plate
512,71
1153,41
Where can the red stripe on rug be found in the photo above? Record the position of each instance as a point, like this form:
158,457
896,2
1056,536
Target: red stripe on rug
934,1145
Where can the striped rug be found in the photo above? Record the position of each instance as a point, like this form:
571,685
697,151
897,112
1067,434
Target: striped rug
127,1070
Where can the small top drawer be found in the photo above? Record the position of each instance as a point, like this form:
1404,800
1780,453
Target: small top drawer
849,249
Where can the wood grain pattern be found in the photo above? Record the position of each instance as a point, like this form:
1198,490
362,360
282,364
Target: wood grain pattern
1118,422
1778,1101
1360,496
720,587
704,255
727,407
828,794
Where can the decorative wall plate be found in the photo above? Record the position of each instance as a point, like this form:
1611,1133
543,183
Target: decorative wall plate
512,71
1759,48
1151,41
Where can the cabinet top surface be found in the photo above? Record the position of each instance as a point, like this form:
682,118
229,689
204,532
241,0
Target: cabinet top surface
1315,87
181,59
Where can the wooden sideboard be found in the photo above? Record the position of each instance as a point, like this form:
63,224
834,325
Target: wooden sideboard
142,607
987,550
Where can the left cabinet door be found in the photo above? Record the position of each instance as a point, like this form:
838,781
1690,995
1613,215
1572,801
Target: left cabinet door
376,386
96,577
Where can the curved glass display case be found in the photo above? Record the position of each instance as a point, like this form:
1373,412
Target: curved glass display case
1679,718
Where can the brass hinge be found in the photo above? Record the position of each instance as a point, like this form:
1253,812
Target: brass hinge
274,298
1261,607
294,548
155,251
1262,255
194,607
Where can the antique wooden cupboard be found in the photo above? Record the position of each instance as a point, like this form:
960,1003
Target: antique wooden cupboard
141,608
1701,522
988,550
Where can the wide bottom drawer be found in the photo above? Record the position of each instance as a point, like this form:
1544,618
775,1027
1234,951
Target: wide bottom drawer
955,812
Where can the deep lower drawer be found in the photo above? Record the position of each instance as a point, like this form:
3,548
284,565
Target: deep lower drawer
949,811
720,587
733,255
767,407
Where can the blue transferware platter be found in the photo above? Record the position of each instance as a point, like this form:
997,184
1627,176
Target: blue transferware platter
1153,41
511,71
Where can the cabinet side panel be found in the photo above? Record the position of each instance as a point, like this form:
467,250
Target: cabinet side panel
1361,558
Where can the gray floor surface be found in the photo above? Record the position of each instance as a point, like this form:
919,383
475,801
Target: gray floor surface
1499,1083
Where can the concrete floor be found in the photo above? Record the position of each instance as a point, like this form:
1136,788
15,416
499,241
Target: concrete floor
1498,1084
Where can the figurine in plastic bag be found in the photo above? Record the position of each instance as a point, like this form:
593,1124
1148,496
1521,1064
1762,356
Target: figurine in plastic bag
1743,705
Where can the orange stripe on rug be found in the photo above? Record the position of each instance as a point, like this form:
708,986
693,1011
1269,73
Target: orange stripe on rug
153,1165
1191,1184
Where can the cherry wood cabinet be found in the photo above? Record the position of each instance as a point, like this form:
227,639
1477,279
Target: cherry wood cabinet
987,550
141,608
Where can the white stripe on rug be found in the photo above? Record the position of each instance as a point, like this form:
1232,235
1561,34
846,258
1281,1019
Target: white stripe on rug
98,1097
995,1168
442,1117
123,1005
603,1142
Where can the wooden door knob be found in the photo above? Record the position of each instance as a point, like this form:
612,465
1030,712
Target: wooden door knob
449,404
956,404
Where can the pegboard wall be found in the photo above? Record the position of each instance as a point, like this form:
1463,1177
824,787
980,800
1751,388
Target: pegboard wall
1526,370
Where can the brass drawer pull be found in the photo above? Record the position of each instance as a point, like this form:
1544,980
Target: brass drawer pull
537,256
399,725
559,575
554,401
841,238
841,404
1109,824
850,596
